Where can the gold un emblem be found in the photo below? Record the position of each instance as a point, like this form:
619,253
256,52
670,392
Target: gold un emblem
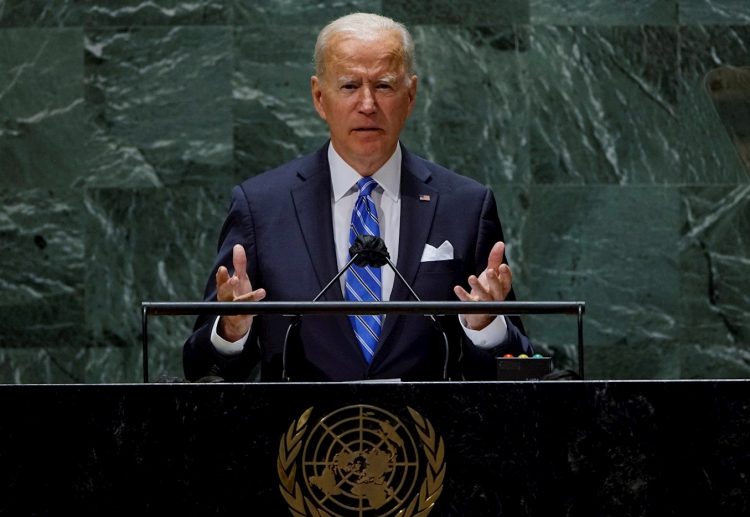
360,460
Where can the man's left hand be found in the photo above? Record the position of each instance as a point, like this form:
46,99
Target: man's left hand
492,285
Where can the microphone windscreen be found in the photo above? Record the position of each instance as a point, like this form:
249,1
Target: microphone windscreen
370,251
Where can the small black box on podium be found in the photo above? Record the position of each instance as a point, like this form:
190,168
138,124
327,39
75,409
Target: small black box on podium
523,368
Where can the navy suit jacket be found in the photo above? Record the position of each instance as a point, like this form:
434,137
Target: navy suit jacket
283,219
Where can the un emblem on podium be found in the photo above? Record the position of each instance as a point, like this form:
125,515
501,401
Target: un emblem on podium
361,460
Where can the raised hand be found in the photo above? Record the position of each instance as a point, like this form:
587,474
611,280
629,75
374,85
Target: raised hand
493,284
236,288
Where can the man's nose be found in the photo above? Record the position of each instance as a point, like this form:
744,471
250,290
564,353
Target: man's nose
367,102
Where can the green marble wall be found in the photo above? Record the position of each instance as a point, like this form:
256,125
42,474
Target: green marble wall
124,124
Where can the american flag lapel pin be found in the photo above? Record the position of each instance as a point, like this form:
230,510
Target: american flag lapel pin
424,197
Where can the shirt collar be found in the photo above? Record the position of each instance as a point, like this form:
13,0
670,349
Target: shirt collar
344,177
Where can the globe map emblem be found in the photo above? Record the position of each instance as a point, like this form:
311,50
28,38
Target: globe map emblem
360,460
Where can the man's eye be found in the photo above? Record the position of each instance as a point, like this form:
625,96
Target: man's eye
385,86
349,87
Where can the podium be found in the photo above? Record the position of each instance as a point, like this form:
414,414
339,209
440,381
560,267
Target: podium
543,448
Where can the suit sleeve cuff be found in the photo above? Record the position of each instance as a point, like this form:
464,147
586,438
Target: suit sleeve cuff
490,336
227,347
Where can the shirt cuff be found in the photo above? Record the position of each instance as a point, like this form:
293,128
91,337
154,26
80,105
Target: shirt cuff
227,347
490,336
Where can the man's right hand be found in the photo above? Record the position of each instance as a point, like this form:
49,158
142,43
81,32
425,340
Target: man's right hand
236,288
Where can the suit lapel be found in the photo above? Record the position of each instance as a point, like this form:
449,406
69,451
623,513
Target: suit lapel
313,209
418,204
312,203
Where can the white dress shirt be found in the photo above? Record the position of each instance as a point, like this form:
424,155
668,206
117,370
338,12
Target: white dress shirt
387,199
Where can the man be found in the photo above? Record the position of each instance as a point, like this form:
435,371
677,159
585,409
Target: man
289,231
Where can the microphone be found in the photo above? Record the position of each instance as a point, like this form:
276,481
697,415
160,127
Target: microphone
373,252
357,255
293,328
367,250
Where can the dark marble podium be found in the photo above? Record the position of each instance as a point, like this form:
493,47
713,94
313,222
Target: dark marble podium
542,448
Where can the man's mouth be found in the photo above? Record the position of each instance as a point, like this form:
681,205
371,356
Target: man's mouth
367,129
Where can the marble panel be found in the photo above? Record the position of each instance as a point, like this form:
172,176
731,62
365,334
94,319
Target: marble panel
714,12
708,361
708,152
447,12
648,360
40,13
714,249
297,12
553,335
42,269
614,248
103,13
604,105
70,364
41,107
274,117
471,113
513,208
603,12
159,103
99,13
149,245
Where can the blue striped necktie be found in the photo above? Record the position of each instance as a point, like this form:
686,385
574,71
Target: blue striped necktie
363,283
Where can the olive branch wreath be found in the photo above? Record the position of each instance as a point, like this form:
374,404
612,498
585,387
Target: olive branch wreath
422,504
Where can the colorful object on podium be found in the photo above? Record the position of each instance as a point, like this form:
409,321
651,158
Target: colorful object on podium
522,367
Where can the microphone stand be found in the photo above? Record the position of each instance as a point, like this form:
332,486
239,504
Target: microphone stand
367,250
297,318
435,322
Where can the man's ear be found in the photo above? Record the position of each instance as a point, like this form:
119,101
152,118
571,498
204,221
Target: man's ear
412,92
316,89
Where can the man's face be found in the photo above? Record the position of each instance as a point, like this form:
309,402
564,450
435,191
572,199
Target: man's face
365,97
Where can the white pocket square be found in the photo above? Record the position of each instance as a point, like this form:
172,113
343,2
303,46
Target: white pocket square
442,252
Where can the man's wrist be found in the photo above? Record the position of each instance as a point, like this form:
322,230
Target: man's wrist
490,336
478,323
232,332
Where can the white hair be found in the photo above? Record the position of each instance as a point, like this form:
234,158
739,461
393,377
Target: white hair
365,26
